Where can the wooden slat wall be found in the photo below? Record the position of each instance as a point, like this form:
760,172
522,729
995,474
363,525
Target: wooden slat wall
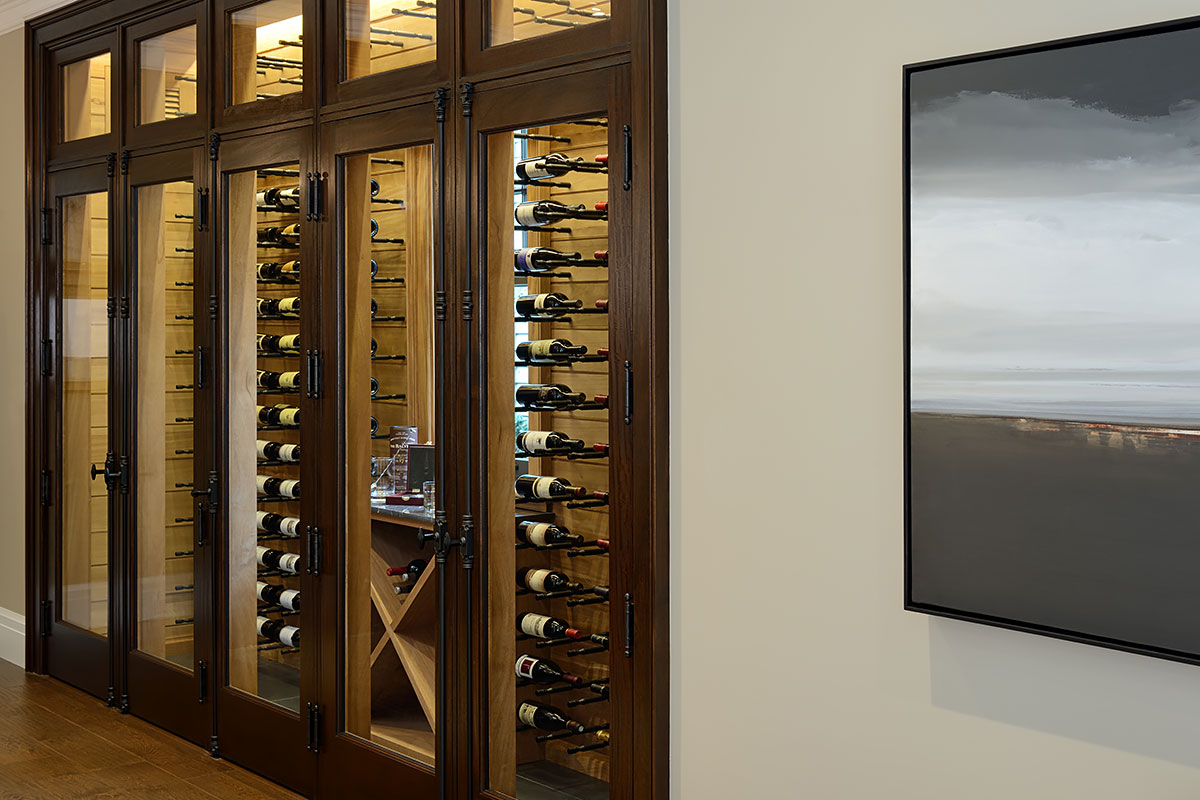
371,53
86,110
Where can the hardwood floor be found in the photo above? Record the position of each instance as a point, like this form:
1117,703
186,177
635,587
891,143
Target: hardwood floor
59,743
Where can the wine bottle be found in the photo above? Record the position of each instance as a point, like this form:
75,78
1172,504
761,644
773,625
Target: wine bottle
278,380
374,308
542,259
545,580
545,488
547,718
601,255
552,394
374,228
277,451
278,307
278,487
277,523
410,572
544,671
279,595
281,414
549,350
277,235
374,387
275,630
269,343
553,166
274,270
374,425
374,346
544,534
534,213
537,443
278,559
282,199
374,187
374,268
549,303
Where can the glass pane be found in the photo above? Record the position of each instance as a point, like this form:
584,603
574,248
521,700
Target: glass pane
84,565
267,53
548,614
263,407
391,34
165,508
85,98
391,601
167,76
516,20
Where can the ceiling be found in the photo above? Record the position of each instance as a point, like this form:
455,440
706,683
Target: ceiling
13,13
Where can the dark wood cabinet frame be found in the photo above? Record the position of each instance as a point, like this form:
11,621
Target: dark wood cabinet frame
616,67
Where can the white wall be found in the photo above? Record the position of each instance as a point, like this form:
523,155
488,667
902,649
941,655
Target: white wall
795,671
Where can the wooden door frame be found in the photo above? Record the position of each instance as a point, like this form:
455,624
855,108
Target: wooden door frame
172,130
160,693
249,731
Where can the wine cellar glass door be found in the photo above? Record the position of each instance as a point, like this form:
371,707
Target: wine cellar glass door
170,426
84,459
382,682
270,397
554,683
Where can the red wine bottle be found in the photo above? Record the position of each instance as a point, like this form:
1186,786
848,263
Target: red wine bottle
544,671
279,307
554,395
278,559
278,487
545,488
537,443
278,380
548,303
544,534
277,523
547,718
542,627
534,213
269,343
555,165
545,580
410,572
549,350
279,595
277,451
281,414
276,631
601,255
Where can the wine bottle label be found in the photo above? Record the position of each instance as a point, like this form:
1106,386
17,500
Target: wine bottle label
262,449
542,348
543,488
263,481
290,267
524,259
289,342
262,587
289,380
289,562
525,666
262,622
535,533
535,579
289,416
289,452
262,551
289,525
535,625
289,488
289,635
539,302
289,305
526,215
290,599
261,515
527,713
534,441
533,169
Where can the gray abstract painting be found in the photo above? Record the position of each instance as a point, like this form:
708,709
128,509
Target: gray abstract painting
1054,340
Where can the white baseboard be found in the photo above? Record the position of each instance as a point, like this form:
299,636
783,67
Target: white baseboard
12,637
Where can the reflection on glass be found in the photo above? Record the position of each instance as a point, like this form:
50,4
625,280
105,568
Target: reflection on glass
84,567
167,76
389,34
548,612
85,98
267,53
165,471
516,20
391,586
265,620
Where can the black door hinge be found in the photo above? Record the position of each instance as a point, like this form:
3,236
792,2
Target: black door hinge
214,747
46,488
47,357
466,93
111,161
201,367
466,541
202,677
47,617
124,162
124,308
468,305
201,209
212,306
214,146
112,307
628,625
314,728
47,215
124,474
628,158
315,551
